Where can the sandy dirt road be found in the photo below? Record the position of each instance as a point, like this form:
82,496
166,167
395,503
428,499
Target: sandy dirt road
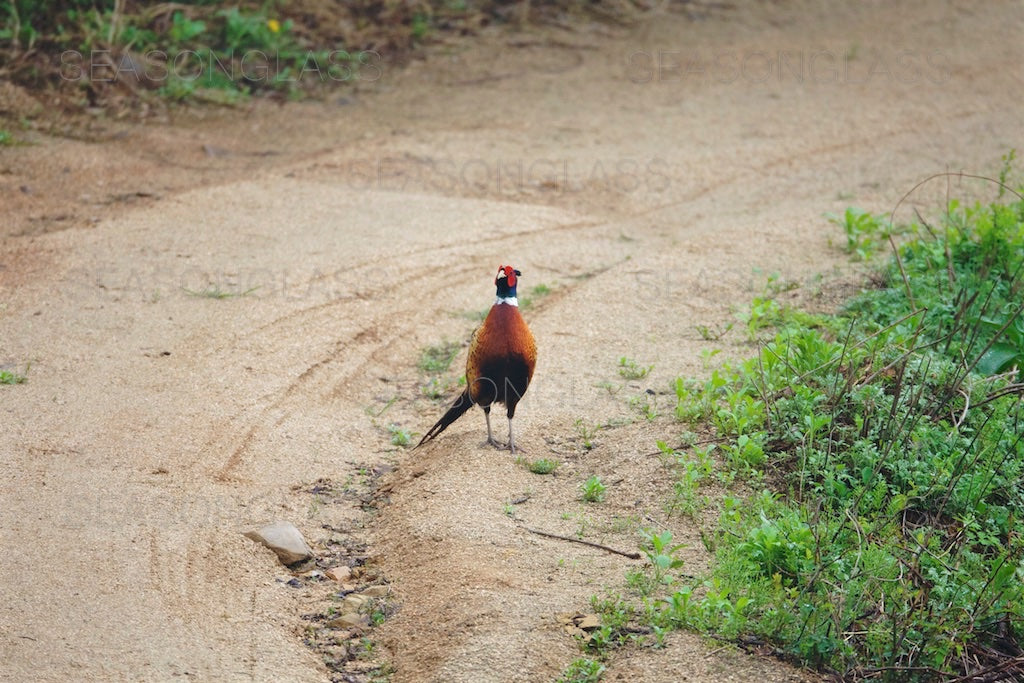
645,174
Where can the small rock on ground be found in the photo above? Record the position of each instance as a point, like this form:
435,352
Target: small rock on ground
285,540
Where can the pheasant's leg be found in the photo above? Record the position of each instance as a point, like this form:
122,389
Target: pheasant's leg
511,442
490,435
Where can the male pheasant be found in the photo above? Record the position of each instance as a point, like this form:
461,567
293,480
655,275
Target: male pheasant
502,354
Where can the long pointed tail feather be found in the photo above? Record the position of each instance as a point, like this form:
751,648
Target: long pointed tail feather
461,405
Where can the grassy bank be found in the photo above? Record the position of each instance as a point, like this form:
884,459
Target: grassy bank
116,53
885,448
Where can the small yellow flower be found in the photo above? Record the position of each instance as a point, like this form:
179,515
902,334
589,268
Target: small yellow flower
274,25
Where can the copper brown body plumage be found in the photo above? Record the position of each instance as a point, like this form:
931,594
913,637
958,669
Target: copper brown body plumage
499,367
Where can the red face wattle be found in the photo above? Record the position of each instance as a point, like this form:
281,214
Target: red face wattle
510,276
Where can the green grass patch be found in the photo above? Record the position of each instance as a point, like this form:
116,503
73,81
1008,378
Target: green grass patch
96,53
541,465
14,377
866,234
630,369
693,469
399,436
887,541
582,670
531,298
192,49
586,432
215,292
885,446
437,359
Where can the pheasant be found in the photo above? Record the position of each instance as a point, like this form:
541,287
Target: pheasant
502,354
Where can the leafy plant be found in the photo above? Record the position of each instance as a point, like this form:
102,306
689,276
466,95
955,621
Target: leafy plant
661,554
592,490
582,670
399,436
691,473
645,404
542,465
630,369
865,233
586,432
14,377
763,312
1007,348
616,616
183,29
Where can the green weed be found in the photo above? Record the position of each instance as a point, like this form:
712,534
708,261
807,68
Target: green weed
541,465
399,437
533,296
616,618
586,432
713,333
1004,171
866,234
630,369
592,490
215,292
14,377
438,387
661,555
437,359
582,670
1006,351
691,474
645,404
765,312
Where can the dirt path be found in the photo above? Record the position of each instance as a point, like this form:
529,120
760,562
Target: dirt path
157,424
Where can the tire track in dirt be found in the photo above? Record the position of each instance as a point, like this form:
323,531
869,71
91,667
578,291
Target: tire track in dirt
344,362
733,185
348,358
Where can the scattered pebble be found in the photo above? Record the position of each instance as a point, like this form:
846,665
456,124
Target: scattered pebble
350,620
285,540
340,574
353,603
580,625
